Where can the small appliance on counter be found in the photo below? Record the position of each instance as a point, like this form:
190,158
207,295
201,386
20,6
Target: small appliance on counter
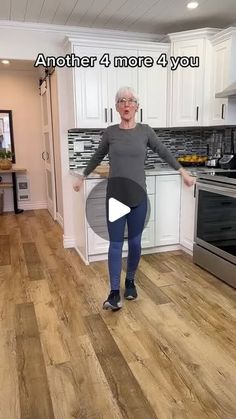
228,161
213,162
214,151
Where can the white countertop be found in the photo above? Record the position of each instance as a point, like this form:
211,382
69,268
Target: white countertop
158,170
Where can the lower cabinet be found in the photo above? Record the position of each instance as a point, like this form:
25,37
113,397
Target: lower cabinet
167,209
162,227
187,216
97,244
148,236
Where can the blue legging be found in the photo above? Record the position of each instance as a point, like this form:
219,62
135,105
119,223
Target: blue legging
135,223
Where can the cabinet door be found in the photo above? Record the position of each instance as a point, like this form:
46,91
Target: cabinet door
96,244
187,216
119,77
152,90
220,69
220,79
187,86
148,236
91,94
167,209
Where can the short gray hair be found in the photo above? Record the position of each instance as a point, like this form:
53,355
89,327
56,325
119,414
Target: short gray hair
123,90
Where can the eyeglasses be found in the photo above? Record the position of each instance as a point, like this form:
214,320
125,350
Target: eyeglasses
130,102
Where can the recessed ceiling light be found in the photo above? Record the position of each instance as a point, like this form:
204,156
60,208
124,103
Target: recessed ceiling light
192,5
5,62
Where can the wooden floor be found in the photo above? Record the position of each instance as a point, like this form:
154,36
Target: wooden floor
170,354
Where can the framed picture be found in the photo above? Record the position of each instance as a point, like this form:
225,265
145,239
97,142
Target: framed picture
6,123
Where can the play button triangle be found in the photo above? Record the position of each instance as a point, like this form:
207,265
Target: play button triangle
117,209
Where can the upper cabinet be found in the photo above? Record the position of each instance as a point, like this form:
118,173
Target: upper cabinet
95,87
90,91
190,81
152,89
200,63
118,77
223,110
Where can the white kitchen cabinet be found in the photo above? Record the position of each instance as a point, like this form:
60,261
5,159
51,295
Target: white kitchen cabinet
152,90
95,87
190,86
187,216
162,228
96,243
187,85
148,236
118,77
97,217
223,110
167,209
90,91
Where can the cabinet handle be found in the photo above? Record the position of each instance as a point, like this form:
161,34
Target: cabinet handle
141,115
105,114
111,113
197,112
223,111
194,191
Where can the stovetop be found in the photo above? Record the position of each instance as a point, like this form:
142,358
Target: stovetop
228,176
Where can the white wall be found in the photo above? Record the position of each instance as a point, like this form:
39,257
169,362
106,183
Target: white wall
25,42
19,93
22,41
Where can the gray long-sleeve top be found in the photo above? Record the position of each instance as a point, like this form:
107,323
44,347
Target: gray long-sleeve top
126,149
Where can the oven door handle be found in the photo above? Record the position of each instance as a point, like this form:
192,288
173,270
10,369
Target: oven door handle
216,188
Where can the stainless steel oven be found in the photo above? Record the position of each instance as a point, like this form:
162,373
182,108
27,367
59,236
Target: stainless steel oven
215,224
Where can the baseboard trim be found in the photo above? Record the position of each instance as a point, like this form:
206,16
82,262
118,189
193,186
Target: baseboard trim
145,251
81,256
32,205
186,250
27,206
68,242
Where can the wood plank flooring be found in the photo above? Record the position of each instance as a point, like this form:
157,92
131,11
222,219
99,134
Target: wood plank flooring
170,354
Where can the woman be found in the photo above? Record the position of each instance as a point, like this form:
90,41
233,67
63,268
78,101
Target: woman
126,144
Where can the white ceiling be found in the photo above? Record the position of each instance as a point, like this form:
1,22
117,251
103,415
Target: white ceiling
150,16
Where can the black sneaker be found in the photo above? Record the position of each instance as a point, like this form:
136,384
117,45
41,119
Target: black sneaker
113,302
130,290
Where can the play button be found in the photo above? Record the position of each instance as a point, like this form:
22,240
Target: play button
116,209
108,201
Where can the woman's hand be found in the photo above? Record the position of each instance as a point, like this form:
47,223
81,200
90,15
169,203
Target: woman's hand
78,184
188,180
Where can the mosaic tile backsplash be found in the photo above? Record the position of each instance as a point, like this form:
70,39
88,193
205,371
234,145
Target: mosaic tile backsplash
200,141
